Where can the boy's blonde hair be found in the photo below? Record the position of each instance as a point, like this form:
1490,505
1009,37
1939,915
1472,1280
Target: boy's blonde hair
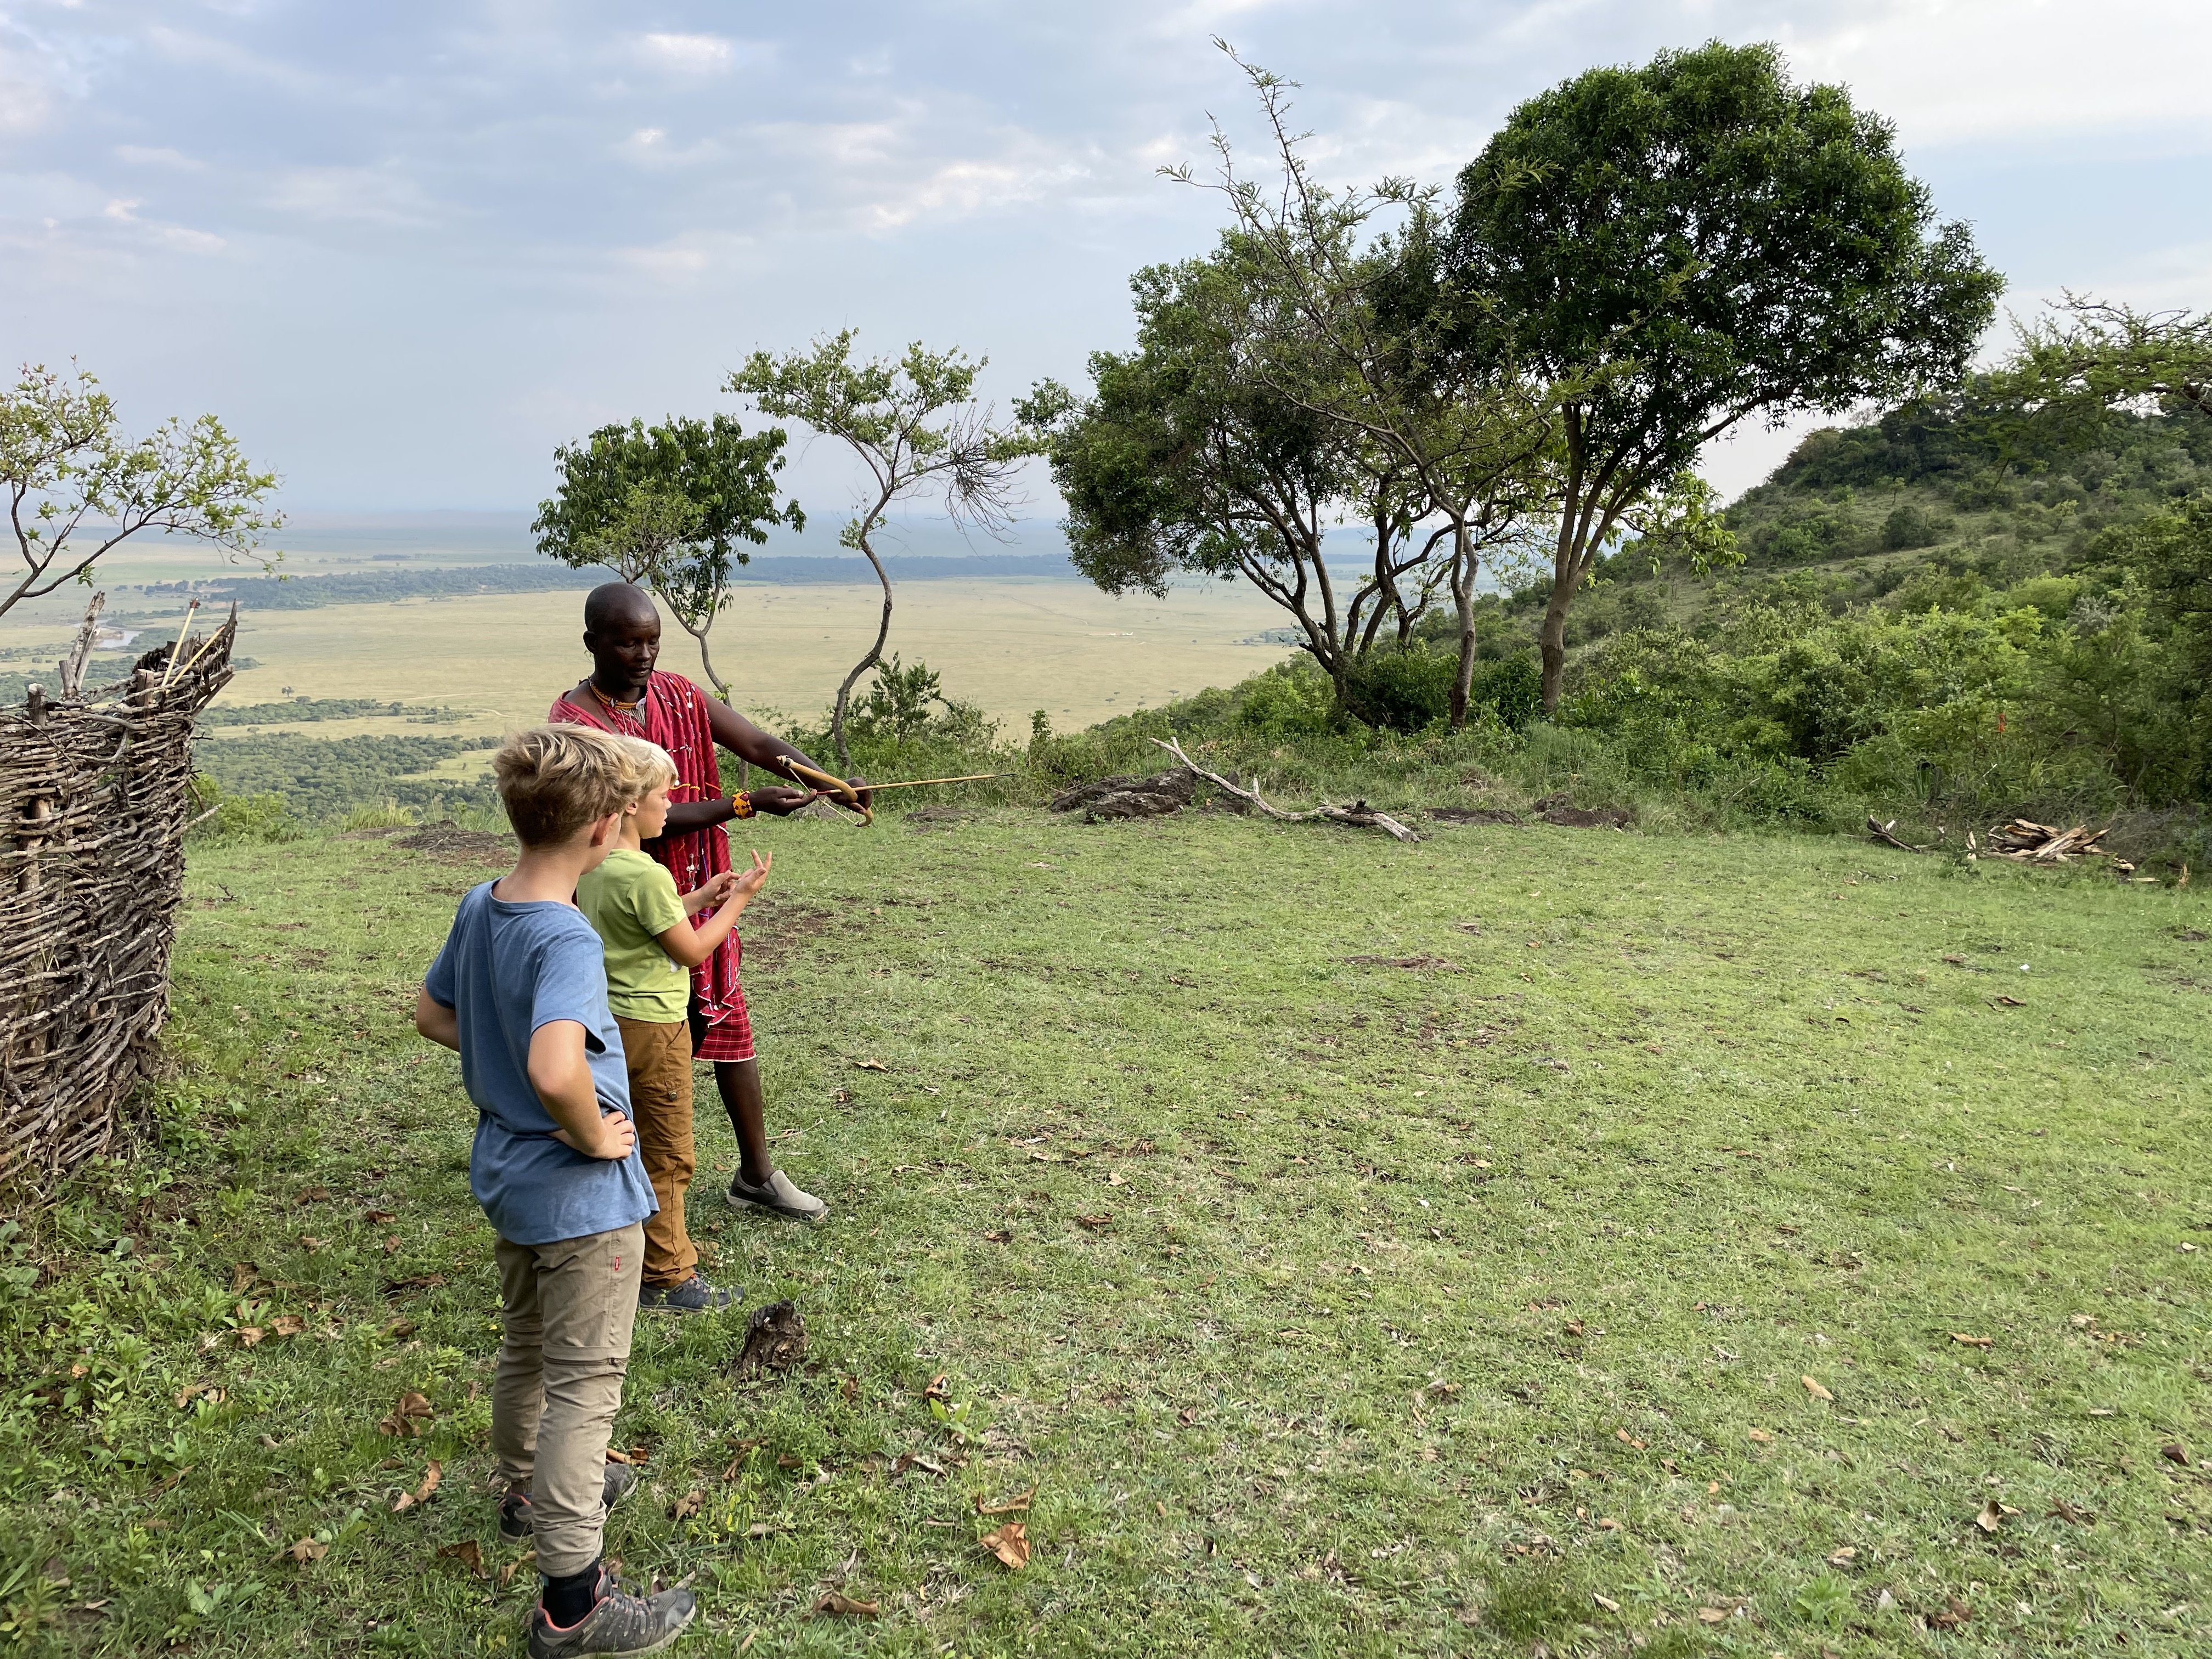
646,765
553,779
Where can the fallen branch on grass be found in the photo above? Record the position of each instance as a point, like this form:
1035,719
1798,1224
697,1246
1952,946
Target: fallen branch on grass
1358,816
1886,834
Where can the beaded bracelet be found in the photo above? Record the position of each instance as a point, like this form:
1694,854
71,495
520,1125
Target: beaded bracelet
741,806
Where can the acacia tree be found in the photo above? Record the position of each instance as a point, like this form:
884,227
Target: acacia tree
1677,248
665,507
1190,456
914,426
1362,330
76,487
2094,355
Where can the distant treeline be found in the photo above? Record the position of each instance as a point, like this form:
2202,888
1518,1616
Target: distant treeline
382,587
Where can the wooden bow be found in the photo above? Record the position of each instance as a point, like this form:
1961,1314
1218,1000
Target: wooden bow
836,789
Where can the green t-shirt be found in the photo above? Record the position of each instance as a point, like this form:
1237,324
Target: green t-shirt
630,901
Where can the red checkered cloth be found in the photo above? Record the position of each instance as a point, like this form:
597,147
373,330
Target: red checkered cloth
674,715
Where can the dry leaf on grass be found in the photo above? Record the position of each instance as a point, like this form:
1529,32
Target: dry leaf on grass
311,1194
1097,1222
1814,1389
937,1388
1762,1436
288,1325
1605,1601
242,1274
408,1500
1010,1543
1956,1614
1965,1341
248,1335
506,1573
311,1244
1844,1556
1013,1506
468,1554
403,1419
374,1216
1992,1515
1626,1438
1113,1180
999,1235
1712,1615
849,1606
871,1066
688,1505
2174,1452
307,1550
2009,1002
2063,1510
850,1389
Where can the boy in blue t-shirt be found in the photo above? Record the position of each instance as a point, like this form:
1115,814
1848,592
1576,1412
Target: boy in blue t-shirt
519,991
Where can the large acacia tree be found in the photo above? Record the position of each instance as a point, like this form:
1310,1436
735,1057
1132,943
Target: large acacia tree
1678,248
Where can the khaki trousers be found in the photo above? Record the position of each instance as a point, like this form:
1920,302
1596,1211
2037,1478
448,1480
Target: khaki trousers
568,1308
660,1057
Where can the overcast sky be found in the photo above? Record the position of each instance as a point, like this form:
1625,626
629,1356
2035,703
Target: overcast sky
405,248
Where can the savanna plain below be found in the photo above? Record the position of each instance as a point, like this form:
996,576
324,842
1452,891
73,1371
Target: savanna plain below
1530,1240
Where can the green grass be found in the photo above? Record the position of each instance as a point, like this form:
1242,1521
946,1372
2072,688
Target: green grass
1434,1304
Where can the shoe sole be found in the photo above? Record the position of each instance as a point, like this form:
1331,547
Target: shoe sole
671,1635
679,1308
812,1218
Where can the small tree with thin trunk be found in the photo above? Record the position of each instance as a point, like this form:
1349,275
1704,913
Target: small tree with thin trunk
913,424
1678,248
76,487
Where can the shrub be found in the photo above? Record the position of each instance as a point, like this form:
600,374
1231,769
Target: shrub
262,817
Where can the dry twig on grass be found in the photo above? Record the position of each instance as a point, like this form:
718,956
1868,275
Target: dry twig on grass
1886,834
1359,814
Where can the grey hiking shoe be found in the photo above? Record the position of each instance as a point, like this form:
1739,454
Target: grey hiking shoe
618,1623
515,1521
693,1295
778,1195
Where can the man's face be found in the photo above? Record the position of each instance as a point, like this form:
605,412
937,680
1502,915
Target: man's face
624,649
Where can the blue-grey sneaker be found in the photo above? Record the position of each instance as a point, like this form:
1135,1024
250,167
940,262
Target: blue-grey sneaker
618,1623
693,1295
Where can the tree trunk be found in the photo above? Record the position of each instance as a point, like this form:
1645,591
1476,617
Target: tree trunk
875,655
1551,642
1462,587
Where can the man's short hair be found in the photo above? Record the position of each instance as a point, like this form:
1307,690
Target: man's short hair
553,779
610,601
648,766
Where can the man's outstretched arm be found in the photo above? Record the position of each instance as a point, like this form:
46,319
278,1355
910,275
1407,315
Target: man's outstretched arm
734,732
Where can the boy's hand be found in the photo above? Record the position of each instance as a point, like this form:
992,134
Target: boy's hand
718,889
618,1134
748,883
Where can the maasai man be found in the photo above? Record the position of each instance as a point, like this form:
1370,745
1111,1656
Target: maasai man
625,693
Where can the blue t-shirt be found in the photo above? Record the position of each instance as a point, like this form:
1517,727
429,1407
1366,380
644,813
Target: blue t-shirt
506,970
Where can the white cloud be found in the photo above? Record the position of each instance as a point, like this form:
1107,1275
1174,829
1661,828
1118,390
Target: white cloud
1954,71
364,195
141,155
125,212
689,54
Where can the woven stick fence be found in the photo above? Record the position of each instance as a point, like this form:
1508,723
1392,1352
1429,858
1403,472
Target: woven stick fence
94,794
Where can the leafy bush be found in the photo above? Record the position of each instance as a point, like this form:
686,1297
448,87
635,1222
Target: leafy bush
264,816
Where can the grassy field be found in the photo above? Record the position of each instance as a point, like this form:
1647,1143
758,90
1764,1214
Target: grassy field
1532,1240
499,658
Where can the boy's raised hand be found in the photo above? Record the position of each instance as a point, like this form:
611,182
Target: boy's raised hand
752,881
719,888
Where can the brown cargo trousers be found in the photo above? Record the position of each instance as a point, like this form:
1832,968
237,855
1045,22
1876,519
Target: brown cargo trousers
568,1308
660,1057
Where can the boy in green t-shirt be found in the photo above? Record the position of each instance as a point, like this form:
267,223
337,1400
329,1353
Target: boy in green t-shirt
653,940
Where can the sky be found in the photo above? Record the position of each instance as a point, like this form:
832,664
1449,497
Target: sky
405,249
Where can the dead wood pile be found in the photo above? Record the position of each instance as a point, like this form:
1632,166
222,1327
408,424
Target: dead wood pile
1125,796
2025,842
94,788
